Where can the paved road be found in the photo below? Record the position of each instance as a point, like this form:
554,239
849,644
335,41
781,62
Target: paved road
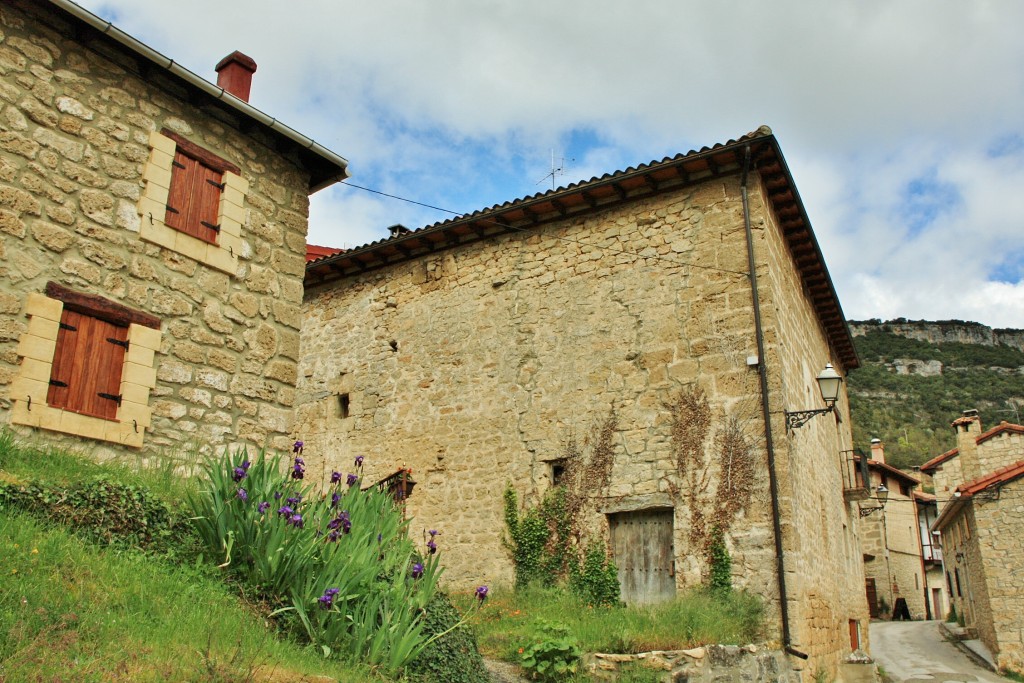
916,652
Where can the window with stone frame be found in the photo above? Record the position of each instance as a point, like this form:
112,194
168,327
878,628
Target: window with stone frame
197,180
87,367
90,352
192,202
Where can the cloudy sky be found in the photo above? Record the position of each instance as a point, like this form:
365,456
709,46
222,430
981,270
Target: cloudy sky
902,122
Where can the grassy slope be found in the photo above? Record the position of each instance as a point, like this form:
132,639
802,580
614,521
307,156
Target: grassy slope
74,611
910,413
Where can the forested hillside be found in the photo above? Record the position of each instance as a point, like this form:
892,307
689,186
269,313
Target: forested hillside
908,390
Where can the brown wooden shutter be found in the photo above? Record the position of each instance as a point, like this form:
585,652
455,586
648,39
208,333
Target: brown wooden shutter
182,174
193,202
63,359
86,376
206,203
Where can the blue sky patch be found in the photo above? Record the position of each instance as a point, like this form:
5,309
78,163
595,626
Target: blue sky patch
925,198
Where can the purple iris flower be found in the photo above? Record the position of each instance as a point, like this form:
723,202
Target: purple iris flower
245,465
296,521
335,477
333,536
433,532
277,495
327,599
262,507
351,480
431,546
335,499
285,511
294,500
417,570
243,495
359,461
481,593
238,474
299,469
297,447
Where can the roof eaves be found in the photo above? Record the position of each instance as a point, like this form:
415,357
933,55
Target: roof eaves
106,28
501,219
930,466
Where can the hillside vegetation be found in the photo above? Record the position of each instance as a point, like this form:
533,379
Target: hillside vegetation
898,396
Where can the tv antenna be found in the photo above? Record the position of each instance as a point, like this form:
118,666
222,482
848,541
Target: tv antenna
555,170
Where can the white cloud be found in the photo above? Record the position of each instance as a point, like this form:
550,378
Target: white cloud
458,104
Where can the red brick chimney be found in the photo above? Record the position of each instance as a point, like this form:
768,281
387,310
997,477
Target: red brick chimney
877,450
968,429
234,74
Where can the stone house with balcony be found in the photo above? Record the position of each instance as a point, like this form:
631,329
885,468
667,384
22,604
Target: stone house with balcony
891,540
980,486
152,242
937,600
610,336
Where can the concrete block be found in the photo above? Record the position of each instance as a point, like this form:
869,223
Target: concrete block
31,346
162,143
44,328
142,375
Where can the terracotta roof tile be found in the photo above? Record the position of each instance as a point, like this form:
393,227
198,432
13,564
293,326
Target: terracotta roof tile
1002,427
315,253
1000,476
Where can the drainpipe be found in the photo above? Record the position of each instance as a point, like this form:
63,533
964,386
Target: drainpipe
780,562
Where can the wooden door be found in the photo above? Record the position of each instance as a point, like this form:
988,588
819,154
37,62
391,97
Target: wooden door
644,555
872,598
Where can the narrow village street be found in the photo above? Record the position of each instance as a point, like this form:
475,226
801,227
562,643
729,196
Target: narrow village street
915,651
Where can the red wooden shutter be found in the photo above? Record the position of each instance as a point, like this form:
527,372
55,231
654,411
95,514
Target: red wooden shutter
182,173
193,202
86,376
63,359
206,203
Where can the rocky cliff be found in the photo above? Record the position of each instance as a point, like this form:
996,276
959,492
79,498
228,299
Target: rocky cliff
942,331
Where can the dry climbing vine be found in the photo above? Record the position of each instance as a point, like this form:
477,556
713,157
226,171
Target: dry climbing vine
711,511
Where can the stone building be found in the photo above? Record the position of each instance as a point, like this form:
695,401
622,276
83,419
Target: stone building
937,602
152,242
890,539
980,486
609,336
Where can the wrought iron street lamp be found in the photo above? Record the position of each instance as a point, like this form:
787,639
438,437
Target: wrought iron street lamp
829,383
881,495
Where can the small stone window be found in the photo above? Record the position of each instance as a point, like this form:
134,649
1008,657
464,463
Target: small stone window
344,405
558,468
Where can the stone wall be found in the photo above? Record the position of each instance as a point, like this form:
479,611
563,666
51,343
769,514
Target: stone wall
75,137
708,664
997,523
1001,450
824,569
480,365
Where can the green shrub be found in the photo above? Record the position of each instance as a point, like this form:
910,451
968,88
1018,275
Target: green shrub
105,511
453,657
528,536
596,579
554,656
720,569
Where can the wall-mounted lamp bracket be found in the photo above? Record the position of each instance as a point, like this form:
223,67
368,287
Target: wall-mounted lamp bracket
798,418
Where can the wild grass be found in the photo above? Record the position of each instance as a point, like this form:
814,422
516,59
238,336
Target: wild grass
72,611
28,460
513,620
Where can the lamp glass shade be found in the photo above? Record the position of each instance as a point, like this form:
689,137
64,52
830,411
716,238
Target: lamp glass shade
829,382
882,494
